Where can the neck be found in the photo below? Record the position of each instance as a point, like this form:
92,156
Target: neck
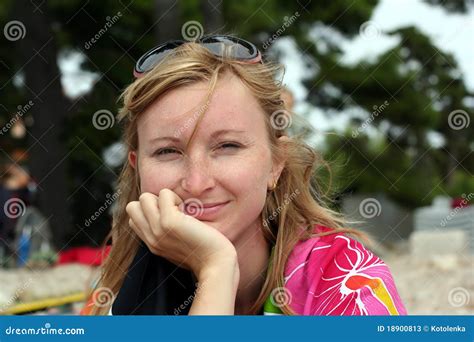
253,253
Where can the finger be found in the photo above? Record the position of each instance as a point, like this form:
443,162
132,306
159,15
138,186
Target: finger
135,212
149,205
168,202
143,237
136,230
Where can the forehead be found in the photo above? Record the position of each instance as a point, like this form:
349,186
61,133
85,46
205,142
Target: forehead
232,106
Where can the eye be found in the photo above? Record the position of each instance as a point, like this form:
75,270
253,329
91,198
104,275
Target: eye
169,150
164,151
229,145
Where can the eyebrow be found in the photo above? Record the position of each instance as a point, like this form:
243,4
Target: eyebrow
213,135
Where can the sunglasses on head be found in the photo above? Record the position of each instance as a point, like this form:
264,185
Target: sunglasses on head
221,46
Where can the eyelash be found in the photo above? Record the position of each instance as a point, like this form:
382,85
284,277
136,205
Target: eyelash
159,152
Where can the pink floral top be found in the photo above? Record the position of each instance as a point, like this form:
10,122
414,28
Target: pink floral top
336,275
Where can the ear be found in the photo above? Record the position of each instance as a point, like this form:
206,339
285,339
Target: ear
132,159
278,166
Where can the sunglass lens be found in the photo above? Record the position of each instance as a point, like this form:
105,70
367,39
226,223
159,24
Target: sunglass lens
239,49
153,57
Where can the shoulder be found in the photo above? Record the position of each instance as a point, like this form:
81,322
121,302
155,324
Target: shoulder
337,275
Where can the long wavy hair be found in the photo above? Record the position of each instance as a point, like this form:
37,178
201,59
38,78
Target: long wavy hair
292,209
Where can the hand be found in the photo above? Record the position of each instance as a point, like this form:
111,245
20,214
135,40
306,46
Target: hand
180,238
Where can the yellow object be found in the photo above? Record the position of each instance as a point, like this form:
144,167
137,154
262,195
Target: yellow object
44,303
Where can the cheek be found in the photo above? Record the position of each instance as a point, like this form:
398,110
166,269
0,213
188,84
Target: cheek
248,183
154,177
245,179
245,174
248,190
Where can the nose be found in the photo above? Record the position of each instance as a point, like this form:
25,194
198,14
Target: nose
197,177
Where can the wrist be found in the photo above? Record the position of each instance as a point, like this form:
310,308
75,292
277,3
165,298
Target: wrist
225,267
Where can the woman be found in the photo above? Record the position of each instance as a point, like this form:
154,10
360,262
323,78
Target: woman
215,185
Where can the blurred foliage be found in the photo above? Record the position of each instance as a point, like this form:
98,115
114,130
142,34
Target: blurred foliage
407,94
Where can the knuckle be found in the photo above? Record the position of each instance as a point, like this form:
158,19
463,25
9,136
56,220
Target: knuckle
132,225
144,196
130,207
166,222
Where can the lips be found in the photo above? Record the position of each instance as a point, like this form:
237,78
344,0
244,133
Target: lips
206,212
210,205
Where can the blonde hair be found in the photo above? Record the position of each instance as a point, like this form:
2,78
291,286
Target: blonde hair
287,218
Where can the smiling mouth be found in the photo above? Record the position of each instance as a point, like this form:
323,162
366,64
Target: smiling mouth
205,213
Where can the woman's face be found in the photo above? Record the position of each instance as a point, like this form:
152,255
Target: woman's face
228,161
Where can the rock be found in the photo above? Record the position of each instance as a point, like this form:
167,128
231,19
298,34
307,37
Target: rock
436,242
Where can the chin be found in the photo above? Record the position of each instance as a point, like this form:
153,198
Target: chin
224,229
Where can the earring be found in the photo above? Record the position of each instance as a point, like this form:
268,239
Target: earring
273,186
